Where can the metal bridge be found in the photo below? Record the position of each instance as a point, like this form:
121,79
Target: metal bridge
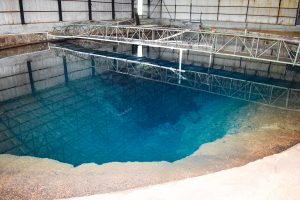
259,47
267,94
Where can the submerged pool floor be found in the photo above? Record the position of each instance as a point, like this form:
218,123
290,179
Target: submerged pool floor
114,117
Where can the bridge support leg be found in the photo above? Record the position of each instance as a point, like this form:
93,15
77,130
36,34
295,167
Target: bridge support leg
211,60
180,66
140,51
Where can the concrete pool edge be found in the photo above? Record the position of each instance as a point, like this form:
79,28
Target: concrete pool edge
272,177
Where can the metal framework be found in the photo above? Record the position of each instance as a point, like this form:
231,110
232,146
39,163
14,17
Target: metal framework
271,95
251,46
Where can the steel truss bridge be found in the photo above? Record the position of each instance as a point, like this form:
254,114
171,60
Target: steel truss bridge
257,47
267,94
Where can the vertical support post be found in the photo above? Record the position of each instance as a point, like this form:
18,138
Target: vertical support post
161,3
133,49
113,12
191,11
270,65
30,77
278,12
148,51
246,18
180,66
211,54
269,69
65,70
210,60
175,10
297,20
60,10
90,9
140,51
115,50
218,10
21,12
148,3
180,59
132,9
93,66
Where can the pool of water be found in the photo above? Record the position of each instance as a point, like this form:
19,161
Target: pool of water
115,117
61,108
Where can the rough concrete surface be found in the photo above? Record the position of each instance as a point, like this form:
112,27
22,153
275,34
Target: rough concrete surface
276,177
265,133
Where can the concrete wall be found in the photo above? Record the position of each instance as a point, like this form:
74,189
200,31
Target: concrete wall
47,71
276,12
46,11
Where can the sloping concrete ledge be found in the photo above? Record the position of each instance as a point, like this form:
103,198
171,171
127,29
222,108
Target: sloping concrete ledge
275,177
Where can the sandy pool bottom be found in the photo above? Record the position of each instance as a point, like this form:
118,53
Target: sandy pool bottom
265,133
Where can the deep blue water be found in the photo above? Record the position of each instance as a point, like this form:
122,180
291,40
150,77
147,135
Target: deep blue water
115,117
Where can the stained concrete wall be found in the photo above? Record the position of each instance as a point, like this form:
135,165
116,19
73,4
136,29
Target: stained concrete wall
11,40
47,71
46,11
276,12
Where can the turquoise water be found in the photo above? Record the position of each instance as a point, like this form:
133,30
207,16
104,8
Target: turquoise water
77,108
115,117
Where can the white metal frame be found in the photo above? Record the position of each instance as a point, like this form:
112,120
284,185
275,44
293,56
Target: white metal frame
253,47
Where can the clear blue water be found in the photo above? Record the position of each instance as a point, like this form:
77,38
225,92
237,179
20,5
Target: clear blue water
115,117
79,109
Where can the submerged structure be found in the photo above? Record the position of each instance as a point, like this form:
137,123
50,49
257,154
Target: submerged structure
123,94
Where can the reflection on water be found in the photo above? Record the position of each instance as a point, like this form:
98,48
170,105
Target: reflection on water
75,109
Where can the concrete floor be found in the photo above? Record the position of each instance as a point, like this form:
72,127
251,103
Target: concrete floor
276,177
